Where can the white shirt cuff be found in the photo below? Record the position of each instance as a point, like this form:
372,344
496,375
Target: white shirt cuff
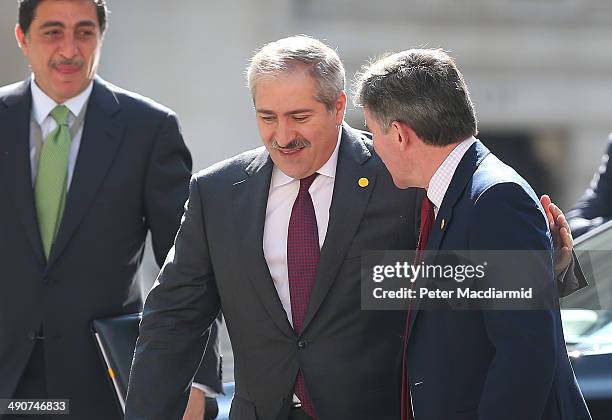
209,392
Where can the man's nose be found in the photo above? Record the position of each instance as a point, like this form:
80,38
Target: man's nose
284,134
69,48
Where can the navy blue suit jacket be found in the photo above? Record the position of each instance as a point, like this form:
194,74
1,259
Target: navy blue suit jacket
491,365
595,206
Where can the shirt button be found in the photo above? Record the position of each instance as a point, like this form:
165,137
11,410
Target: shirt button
301,344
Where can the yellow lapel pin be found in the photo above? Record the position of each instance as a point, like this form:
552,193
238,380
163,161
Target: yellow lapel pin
363,182
442,223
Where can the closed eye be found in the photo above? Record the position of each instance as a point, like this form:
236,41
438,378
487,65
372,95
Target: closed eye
267,118
301,118
85,33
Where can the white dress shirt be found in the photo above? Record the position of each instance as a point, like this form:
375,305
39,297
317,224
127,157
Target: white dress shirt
441,179
282,194
42,105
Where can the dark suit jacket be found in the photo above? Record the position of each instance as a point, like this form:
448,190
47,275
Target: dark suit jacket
131,176
595,206
350,358
492,365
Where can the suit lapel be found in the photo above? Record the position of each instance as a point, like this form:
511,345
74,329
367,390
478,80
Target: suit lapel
455,192
102,136
464,172
347,208
249,206
16,123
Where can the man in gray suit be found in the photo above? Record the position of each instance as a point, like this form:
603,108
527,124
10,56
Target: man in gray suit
281,259
273,238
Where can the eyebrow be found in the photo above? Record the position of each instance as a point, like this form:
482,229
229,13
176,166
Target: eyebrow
86,23
52,24
294,112
58,24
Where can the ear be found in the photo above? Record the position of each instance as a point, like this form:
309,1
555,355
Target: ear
399,135
407,136
340,107
21,38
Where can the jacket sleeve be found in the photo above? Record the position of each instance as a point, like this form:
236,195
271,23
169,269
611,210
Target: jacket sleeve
166,191
595,206
180,308
210,372
167,186
519,378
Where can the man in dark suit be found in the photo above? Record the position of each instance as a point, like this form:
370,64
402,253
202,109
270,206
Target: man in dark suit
273,237
595,206
87,169
281,259
470,364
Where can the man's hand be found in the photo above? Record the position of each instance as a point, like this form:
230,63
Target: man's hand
196,405
561,233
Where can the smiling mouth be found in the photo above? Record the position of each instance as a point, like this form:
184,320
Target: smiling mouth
292,147
67,69
291,151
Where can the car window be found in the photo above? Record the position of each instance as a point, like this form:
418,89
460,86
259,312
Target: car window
587,313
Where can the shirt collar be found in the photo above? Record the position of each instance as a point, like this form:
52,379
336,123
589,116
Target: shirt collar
42,104
279,178
442,178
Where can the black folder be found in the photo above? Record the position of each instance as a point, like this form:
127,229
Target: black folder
116,340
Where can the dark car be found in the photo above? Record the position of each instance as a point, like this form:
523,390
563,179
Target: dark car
587,322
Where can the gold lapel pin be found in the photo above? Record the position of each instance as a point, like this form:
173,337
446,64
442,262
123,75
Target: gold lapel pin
442,224
363,182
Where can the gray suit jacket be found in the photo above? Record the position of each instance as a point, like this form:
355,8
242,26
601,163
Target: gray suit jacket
350,358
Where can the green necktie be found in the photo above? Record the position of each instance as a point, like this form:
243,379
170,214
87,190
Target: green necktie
51,178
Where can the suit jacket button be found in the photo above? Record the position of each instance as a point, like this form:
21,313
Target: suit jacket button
301,344
32,335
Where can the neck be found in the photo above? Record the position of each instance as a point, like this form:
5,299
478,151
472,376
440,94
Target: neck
433,157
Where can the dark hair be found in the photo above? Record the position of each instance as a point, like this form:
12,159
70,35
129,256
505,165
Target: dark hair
422,88
27,10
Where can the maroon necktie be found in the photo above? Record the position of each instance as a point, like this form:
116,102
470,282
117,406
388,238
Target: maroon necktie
302,261
427,221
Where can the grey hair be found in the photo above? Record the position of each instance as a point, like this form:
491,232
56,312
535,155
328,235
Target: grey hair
422,88
296,53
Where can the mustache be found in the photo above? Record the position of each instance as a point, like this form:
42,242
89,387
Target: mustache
295,144
75,62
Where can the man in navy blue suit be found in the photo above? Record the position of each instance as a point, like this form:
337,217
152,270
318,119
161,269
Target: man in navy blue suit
473,364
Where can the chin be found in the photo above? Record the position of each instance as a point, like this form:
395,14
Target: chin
399,183
292,173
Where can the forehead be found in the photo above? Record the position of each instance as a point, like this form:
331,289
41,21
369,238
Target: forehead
67,12
286,91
